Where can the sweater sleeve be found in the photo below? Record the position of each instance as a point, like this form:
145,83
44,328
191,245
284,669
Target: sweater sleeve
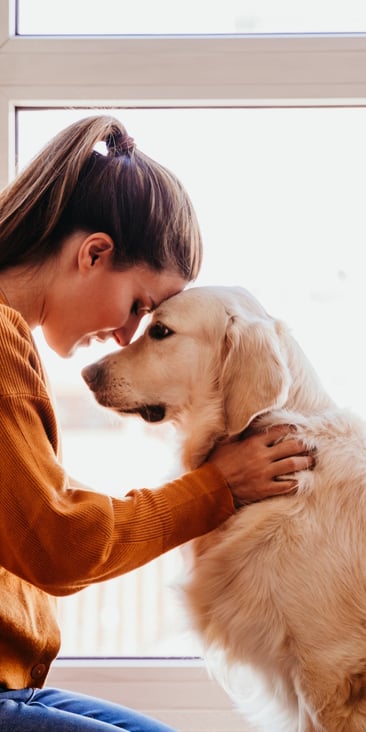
60,537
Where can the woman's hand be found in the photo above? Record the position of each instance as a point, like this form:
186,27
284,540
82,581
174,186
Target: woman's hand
253,466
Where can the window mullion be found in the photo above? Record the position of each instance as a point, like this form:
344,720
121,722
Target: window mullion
7,12
209,71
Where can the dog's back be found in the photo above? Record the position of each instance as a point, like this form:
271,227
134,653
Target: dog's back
282,585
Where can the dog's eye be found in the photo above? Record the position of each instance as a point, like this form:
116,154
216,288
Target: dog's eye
159,331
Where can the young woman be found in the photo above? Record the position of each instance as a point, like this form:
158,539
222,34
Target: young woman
88,243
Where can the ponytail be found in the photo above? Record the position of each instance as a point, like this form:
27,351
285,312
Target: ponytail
69,186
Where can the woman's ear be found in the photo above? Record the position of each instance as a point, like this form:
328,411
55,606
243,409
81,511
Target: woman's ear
95,250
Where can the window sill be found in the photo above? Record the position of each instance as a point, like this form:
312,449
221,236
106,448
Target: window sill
176,690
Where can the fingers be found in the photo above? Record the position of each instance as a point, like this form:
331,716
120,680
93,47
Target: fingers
265,490
291,453
263,464
277,433
280,487
292,464
289,447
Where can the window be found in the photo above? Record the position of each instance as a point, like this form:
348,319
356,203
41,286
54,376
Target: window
279,194
267,133
192,17
313,88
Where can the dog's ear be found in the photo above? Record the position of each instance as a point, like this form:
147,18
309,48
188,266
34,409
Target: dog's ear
255,376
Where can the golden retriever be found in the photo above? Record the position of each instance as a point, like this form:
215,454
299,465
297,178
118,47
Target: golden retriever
278,593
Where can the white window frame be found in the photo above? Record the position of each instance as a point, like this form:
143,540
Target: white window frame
218,71
170,71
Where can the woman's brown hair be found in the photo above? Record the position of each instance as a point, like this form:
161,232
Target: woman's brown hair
69,186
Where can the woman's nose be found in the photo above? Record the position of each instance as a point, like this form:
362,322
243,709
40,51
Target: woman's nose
123,335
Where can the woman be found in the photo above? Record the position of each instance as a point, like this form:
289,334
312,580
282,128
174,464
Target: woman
88,243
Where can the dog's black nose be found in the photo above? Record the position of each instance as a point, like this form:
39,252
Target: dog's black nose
91,375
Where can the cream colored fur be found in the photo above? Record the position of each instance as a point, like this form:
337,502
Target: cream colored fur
277,595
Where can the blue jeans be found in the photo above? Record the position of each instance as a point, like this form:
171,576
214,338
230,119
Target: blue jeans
56,710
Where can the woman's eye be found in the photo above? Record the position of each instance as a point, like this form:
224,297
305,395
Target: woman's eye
159,331
138,308
135,307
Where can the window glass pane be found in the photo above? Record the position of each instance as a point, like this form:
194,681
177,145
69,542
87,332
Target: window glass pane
280,197
81,17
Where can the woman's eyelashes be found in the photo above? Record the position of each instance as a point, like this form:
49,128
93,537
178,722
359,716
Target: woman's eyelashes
138,308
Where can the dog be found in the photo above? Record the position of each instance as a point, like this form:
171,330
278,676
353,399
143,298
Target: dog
277,594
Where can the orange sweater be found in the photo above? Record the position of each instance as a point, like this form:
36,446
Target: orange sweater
56,538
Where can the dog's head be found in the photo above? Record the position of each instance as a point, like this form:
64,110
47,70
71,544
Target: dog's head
209,357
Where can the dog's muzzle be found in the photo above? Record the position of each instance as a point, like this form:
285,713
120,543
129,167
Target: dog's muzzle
94,377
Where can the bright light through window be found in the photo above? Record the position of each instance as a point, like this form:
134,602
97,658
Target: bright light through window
81,17
280,197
